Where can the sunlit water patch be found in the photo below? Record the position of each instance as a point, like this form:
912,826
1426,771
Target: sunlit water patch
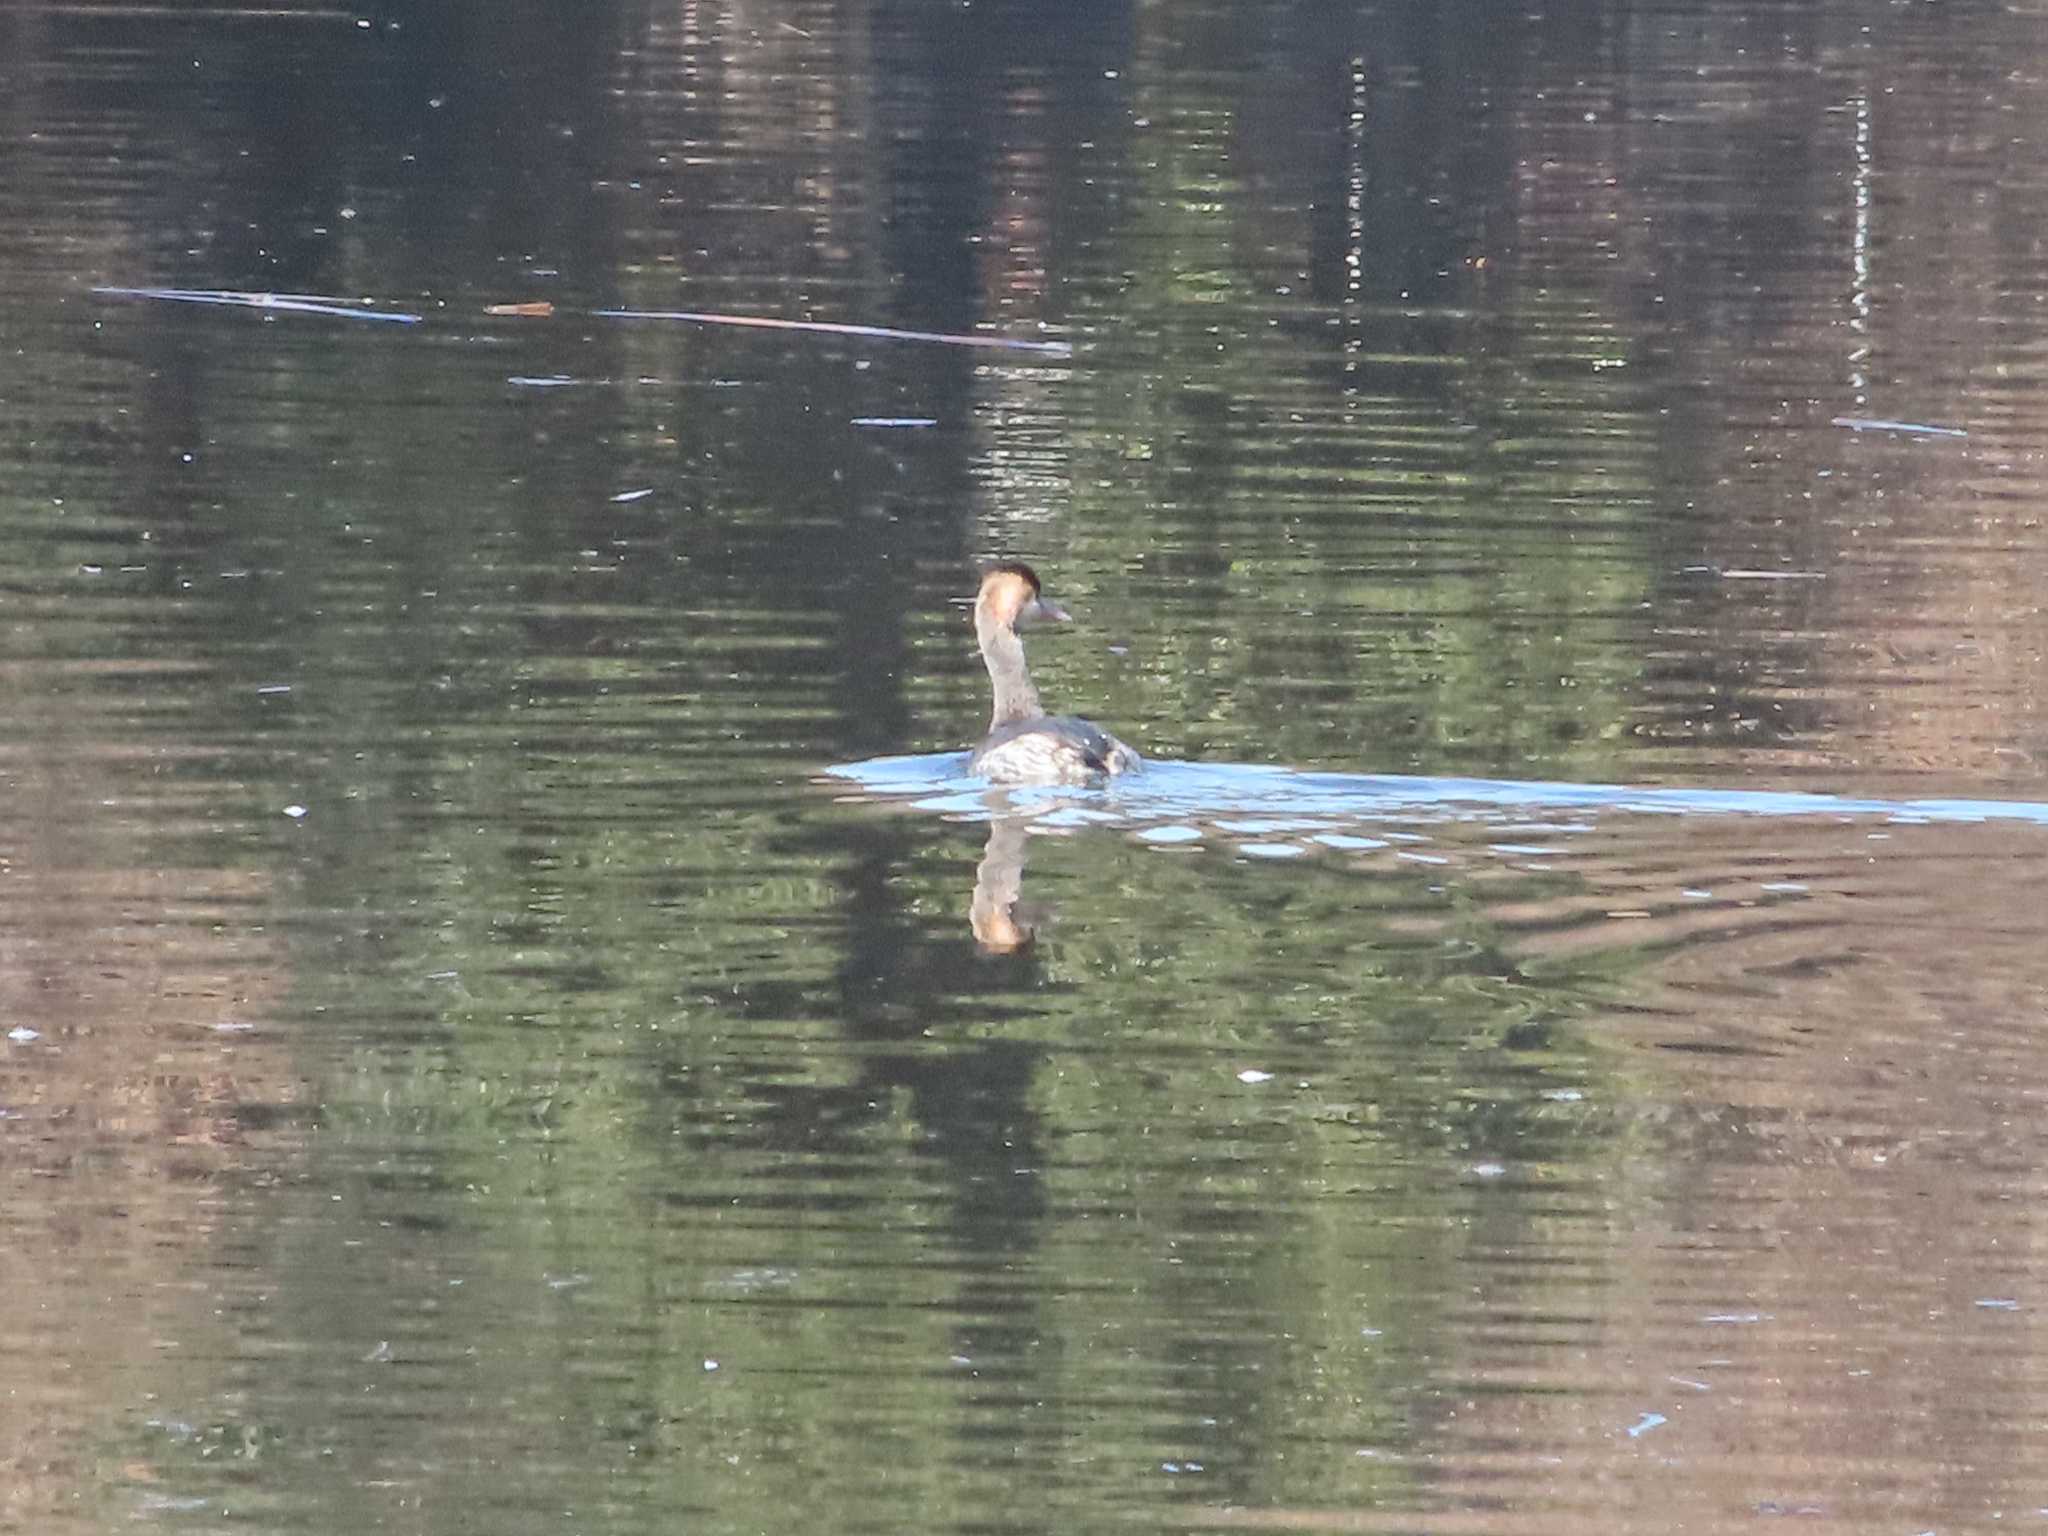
1258,801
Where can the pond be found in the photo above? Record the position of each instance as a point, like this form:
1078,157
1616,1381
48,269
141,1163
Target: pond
516,1021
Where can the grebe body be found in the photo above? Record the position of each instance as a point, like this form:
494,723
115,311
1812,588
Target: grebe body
1024,744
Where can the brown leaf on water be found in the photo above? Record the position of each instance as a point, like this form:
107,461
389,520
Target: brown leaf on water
535,311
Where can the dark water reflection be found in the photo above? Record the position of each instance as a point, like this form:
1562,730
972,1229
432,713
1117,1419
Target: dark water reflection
466,1071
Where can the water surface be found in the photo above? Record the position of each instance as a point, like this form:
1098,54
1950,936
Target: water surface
1552,1045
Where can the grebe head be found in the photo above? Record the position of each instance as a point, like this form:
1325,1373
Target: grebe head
1011,597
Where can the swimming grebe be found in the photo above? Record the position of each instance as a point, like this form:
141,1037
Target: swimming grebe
1024,744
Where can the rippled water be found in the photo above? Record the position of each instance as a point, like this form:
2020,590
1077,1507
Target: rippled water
514,1022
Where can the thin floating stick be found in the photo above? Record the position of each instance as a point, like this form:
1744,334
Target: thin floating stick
297,304
830,328
1914,428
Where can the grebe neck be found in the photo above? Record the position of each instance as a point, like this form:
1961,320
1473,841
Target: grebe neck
1003,653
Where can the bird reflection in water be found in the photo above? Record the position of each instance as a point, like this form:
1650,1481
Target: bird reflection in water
1003,922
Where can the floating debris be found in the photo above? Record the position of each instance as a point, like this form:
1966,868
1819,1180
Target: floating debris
1879,424
289,303
626,496
1254,1075
836,328
1645,1424
895,421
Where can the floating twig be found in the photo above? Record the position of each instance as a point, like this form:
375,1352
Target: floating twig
1876,424
294,303
832,328
313,304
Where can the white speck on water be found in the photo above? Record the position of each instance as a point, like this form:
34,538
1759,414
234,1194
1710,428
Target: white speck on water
1254,1075
639,495
296,812
21,1034
1785,887
272,688
1645,1424
1489,1170
1998,1303
1563,1095
710,1365
1733,1317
